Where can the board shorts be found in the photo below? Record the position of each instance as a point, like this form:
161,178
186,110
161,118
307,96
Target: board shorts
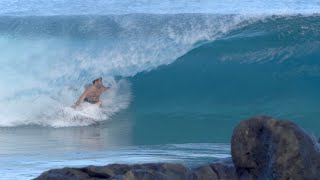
90,101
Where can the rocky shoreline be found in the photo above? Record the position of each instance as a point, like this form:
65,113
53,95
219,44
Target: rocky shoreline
261,148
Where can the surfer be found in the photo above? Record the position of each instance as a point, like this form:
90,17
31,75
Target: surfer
92,93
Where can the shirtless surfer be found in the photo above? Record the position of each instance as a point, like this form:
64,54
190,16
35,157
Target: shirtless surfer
92,93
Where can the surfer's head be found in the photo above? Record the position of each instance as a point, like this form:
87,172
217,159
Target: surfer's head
97,81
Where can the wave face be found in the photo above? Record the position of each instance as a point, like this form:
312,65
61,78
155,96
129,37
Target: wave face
270,66
182,62
47,61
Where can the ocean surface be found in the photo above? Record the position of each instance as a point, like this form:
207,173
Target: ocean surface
182,75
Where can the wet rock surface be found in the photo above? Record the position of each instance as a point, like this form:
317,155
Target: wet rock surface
161,171
265,148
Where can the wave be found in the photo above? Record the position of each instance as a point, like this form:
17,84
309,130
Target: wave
48,60
269,66
46,56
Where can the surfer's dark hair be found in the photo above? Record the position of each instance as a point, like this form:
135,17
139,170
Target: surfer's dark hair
100,78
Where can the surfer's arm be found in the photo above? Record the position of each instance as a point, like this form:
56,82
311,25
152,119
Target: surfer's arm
105,88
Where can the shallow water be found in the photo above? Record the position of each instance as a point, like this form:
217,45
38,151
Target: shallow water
28,151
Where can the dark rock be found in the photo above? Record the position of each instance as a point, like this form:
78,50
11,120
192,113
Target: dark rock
125,172
158,171
64,174
263,148
175,171
205,172
140,174
222,169
225,171
108,171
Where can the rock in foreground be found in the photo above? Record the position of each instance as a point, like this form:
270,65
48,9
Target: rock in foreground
159,171
262,148
265,148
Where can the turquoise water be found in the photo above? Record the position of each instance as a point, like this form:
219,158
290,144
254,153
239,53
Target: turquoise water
269,67
182,75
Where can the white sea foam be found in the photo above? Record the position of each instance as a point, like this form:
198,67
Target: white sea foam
56,111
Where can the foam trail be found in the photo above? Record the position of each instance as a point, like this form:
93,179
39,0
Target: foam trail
56,111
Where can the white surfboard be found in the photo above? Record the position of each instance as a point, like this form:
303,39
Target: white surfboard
80,114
